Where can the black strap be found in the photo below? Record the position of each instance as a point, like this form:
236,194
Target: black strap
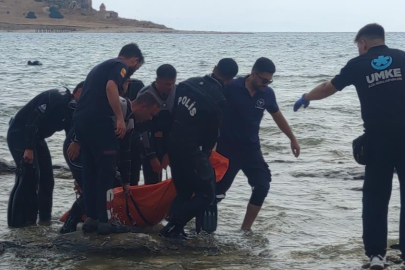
137,209
128,213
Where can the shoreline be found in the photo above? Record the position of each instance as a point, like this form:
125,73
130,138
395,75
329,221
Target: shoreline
55,28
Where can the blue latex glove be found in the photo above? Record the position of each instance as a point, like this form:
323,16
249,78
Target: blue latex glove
300,102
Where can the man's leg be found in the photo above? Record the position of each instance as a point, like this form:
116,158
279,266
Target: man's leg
179,164
89,173
136,160
203,181
150,177
22,206
400,167
376,193
182,181
259,178
46,182
234,167
106,166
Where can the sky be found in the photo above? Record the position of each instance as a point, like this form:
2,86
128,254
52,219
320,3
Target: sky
264,15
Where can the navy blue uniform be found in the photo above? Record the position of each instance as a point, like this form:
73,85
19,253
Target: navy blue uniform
75,166
47,113
197,115
378,78
95,132
239,138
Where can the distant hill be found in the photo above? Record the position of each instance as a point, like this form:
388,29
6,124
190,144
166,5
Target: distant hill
77,15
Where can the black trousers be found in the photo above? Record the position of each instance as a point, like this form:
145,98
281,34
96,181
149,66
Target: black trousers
149,175
41,177
136,161
253,165
192,174
386,153
98,146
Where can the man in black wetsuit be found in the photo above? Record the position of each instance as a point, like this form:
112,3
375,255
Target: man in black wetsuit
47,113
197,115
155,133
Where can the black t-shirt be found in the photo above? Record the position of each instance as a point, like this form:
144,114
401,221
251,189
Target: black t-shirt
93,102
197,112
377,76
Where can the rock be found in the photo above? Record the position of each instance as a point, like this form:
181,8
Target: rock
81,242
2,248
126,243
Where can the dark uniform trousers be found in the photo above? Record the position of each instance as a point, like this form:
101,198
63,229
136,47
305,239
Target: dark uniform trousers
253,165
99,147
386,153
192,174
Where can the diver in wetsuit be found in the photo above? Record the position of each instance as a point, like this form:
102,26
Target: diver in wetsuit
155,133
47,113
197,115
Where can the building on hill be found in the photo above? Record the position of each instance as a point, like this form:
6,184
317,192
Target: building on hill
111,15
105,14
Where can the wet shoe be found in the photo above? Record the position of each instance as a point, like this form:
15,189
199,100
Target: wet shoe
69,226
377,262
90,225
113,227
173,231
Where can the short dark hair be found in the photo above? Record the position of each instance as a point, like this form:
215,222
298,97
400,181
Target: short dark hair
264,64
132,50
80,85
166,71
148,99
371,31
227,68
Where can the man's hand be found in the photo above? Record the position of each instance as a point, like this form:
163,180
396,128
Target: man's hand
300,102
157,168
126,189
28,156
77,188
295,147
73,151
120,129
165,161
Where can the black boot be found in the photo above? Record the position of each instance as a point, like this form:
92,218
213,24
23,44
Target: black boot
173,231
70,224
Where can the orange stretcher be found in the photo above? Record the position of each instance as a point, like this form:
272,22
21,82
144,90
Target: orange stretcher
148,205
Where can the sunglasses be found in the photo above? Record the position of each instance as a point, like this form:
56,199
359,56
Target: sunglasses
264,80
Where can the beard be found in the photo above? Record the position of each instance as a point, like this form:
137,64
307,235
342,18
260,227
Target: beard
131,71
